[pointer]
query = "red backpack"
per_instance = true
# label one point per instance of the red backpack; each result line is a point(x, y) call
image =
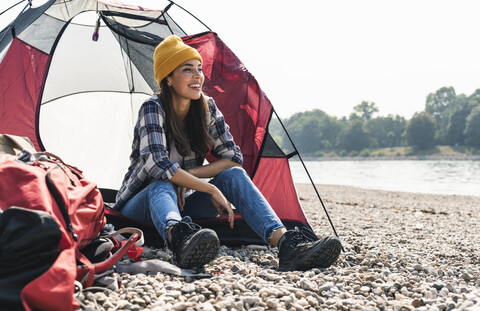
point(42, 182)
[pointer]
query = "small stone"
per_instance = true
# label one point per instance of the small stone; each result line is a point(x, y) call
point(312, 301)
point(194, 299)
point(108, 305)
point(449, 287)
point(139, 301)
point(307, 285)
point(120, 304)
point(189, 288)
point(300, 294)
point(330, 302)
point(174, 294)
point(450, 306)
point(397, 285)
point(100, 297)
point(377, 291)
point(399, 296)
point(302, 302)
point(180, 306)
point(257, 247)
point(387, 286)
point(238, 270)
point(365, 289)
point(162, 255)
point(438, 285)
point(466, 276)
point(288, 300)
point(418, 267)
point(465, 305)
point(326, 287)
point(216, 288)
point(272, 304)
point(251, 300)
point(443, 292)
point(418, 302)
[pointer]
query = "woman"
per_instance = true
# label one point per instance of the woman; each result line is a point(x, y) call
point(174, 131)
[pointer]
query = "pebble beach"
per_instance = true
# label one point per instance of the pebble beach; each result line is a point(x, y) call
point(403, 251)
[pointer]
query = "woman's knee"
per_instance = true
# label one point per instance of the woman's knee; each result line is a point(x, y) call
point(161, 187)
point(233, 173)
point(161, 184)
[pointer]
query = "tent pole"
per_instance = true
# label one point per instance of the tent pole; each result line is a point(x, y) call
point(12, 24)
point(12, 6)
point(308, 174)
point(191, 15)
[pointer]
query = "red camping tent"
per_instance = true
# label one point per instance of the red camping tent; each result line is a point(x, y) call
point(78, 98)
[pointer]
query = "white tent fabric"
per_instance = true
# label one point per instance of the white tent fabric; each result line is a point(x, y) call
point(96, 92)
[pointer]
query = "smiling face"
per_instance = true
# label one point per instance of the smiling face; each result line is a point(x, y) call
point(186, 81)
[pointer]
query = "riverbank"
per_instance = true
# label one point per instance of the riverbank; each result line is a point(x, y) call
point(400, 153)
point(433, 157)
point(403, 251)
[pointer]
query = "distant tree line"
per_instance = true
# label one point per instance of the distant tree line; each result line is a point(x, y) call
point(448, 119)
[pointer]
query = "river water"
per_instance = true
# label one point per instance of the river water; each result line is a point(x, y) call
point(421, 176)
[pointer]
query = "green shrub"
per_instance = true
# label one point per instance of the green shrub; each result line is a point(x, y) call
point(365, 152)
point(471, 151)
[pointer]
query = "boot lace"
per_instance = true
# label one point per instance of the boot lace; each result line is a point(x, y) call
point(184, 229)
point(187, 221)
point(303, 236)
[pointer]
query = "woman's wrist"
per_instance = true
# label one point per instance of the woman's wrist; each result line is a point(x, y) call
point(210, 188)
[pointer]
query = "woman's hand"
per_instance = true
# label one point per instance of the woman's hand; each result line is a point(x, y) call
point(221, 203)
point(185, 180)
point(181, 197)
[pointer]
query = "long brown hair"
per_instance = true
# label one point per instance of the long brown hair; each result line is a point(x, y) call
point(195, 137)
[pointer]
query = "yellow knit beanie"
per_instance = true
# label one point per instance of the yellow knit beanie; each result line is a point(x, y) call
point(169, 54)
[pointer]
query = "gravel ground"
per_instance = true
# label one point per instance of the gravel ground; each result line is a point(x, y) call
point(403, 251)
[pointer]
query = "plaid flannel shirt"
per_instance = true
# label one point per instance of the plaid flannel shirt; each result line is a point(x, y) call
point(150, 153)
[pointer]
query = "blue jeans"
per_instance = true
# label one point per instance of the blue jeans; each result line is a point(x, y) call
point(157, 204)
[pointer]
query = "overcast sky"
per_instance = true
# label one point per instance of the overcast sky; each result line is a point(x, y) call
point(332, 55)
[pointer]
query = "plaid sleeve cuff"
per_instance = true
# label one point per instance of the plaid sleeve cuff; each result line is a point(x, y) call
point(171, 170)
point(160, 168)
point(233, 155)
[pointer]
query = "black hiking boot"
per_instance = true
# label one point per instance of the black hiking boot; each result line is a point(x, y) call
point(298, 252)
point(193, 246)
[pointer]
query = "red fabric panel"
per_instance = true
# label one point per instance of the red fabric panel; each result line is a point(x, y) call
point(274, 179)
point(24, 68)
point(237, 94)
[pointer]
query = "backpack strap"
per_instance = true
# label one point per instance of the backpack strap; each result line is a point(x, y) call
point(87, 273)
point(137, 235)
point(131, 230)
